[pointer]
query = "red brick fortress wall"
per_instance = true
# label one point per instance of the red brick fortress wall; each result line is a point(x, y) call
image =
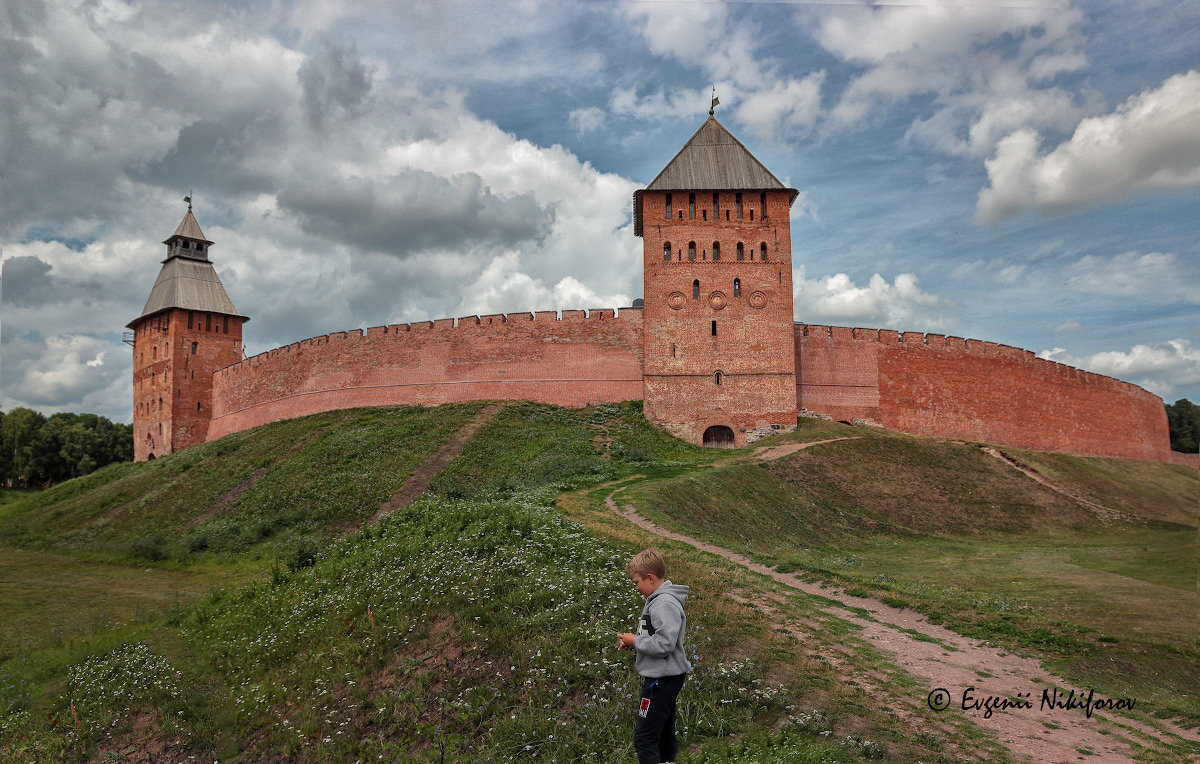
point(718, 316)
point(576, 360)
point(953, 387)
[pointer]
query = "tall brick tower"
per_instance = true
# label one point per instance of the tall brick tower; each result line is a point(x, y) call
point(719, 358)
point(188, 329)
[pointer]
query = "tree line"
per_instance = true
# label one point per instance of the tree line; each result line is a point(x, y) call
point(1183, 419)
point(40, 450)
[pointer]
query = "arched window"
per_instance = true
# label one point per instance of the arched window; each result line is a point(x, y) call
point(716, 250)
point(194, 346)
point(668, 206)
point(762, 251)
point(667, 252)
point(737, 287)
point(717, 378)
point(737, 202)
point(762, 205)
point(741, 251)
point(696, 289)
point(691, 206)
point(160, 404)
point(691, 250)
point(716, 206)
point(714, 327)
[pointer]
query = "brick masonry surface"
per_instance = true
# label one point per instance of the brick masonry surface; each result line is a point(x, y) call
point(174, 355)
point(960, 388)
point(718, 315)
point(576, 360)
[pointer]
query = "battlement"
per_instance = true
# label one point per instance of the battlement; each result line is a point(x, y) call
point(964, 346)
point(399, 332)
point(572, 358)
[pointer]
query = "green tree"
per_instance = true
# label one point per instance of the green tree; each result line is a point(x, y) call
point(17, 433)
point(37, 449)
point(1183, 419)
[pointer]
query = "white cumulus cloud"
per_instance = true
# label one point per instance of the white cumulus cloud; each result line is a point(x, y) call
point(899, 305)
point(1150, 142)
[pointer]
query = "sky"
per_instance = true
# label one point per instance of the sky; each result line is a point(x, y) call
point(1022, 172)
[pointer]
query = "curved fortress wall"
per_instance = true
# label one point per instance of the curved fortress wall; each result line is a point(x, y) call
point(957, 388)
point(576, 360)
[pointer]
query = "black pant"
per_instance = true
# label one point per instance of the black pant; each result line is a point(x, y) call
point(654, 733)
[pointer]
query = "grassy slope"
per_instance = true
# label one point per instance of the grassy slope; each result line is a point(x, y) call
point(400, 642)
point(944, 528)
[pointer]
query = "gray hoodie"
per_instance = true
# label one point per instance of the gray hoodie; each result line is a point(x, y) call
point(659, 640)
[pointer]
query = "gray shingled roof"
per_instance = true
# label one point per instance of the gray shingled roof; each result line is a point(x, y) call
point(714, 160)
point(188, 284)
point(189, 229)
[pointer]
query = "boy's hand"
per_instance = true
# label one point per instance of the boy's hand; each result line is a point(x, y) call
point(625, 640)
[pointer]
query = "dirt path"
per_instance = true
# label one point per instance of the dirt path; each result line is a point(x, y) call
point(953, 663)
point(1104, 513)
point(424, 474)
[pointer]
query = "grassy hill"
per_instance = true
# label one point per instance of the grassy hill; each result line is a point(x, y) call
point(231, 601)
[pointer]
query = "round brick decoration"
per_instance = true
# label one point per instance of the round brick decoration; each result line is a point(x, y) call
point(676, 300)
point(717, 300)
point(758, 300)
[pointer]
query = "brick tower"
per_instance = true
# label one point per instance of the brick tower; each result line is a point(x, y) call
point(719, 357)
point(188, 329)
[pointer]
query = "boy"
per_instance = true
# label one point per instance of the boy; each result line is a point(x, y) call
point(660, 657)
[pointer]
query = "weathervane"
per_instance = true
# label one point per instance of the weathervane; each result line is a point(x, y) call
point(712, 108)
point(188, 199)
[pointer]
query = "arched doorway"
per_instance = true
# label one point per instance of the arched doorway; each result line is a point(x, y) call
point(718, 436)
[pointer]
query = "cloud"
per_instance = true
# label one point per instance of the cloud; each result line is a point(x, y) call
point(1133, 274)
point(26, 280)
point(1161, 368)
point(586, 120)
point(783, 106)
point(64, 371)
point(414, 210)
point(1151, 142)
point(333, 79)
point(340, 191)
point(728, 47)
point(988, 68)
point(502, 287)
point(899, 305)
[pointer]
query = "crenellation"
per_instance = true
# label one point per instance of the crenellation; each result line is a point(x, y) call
point(664, 354)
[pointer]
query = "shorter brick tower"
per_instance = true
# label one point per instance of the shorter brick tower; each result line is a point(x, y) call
point(718, 348)
point(188, 329)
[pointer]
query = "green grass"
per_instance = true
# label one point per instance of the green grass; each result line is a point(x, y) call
point(226, 602)
point(290, 483)
point(946, 529)
point(48, 599)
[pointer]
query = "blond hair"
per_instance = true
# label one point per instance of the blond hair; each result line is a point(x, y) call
point(647, 562)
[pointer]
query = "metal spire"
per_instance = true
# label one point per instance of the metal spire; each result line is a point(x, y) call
point(712, 108)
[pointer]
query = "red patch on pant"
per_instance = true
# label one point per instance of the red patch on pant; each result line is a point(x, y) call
point(644, 707)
